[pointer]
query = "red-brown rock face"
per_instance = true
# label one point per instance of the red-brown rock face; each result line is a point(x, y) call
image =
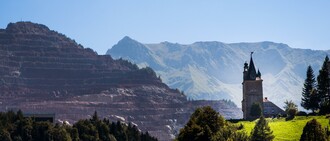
point(45, 72)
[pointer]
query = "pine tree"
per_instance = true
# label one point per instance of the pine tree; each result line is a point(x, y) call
point(313, 131)
point(323, 87)
point(261, 131)
point(310, 99)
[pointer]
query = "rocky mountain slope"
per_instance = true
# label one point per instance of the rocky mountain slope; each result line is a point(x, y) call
point(213, 70)
point(42, 71)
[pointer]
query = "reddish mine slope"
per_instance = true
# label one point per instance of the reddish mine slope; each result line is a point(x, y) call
point(42, 71)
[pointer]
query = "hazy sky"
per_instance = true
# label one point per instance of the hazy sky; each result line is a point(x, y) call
point(99, 24)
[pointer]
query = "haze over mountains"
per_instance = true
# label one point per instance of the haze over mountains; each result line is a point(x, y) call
point(213, 70)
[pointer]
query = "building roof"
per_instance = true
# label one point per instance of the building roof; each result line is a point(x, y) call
point(252, 73)
point(271, 109)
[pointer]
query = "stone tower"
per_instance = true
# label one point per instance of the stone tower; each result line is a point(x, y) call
point(252, 89)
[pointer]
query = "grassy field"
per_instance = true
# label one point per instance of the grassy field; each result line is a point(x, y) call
point(286, 130)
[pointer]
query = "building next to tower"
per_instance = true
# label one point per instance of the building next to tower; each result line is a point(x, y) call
point(253, 93)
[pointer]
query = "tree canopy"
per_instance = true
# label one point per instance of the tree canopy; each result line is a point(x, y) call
point(205, 124)
point(323, 81)
point(261, 131)
point(291, 109)
point(13, 126)
point(255, 110)
point(310, 99)
point(313, 131)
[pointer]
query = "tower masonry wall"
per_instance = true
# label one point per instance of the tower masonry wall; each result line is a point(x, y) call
point(252, 93)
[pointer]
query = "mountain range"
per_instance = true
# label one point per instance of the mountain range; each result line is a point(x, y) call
point(214, 70)
point(43, 71)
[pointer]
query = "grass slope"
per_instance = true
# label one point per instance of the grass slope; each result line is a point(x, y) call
point(286, 130)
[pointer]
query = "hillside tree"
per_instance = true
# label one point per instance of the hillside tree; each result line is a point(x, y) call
point(323, 87)
point(261, 131)
point(310, 99)
point(290, 108)
point(205, 124)
point(202, 125)
point(313, 131)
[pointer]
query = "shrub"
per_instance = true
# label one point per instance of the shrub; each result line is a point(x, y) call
point(240, 127)
point(313, 131)
point(301, 113)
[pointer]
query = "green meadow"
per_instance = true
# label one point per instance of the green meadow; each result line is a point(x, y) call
point(286, 130)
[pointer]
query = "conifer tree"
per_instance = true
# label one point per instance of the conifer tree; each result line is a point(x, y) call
point(313, 131)
point(261, 131)
point(310, 100)
point(323, 87)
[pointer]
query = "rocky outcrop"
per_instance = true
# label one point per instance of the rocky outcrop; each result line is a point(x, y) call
point(42, 71)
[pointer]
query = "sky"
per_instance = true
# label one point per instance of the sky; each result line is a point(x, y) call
point(100, 24)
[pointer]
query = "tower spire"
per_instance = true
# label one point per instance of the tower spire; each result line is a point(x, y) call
point(258, 74)
point(252, 70)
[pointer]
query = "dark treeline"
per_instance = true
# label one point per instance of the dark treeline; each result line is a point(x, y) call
point(14, 127)
point(316, 92)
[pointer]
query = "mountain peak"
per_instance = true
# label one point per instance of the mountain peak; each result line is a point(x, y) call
point(27, 27)
point(129, 42)
point(127, 39)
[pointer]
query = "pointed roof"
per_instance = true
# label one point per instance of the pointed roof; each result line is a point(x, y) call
point(259, 74)
point(252, 70)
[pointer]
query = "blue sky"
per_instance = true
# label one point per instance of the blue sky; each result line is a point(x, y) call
point(101, 24)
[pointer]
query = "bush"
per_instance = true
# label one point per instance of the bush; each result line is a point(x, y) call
point(301, 113)
point(327, 116)
point(289, 118)
point(313, 131)
point(240, 127)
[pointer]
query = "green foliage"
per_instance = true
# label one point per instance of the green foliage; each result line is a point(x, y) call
point(13, 126)
point(323, 84)
point(310, 98)
point(60, 133)
point(202, 125)
point(313, 131)
point(285, 130)
point(4, 135)
point(42, 131)
point(86, 130)
point(230, 133)
point(291, 109)
point(261, 131)
point(255, 110)
point(207, 125)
